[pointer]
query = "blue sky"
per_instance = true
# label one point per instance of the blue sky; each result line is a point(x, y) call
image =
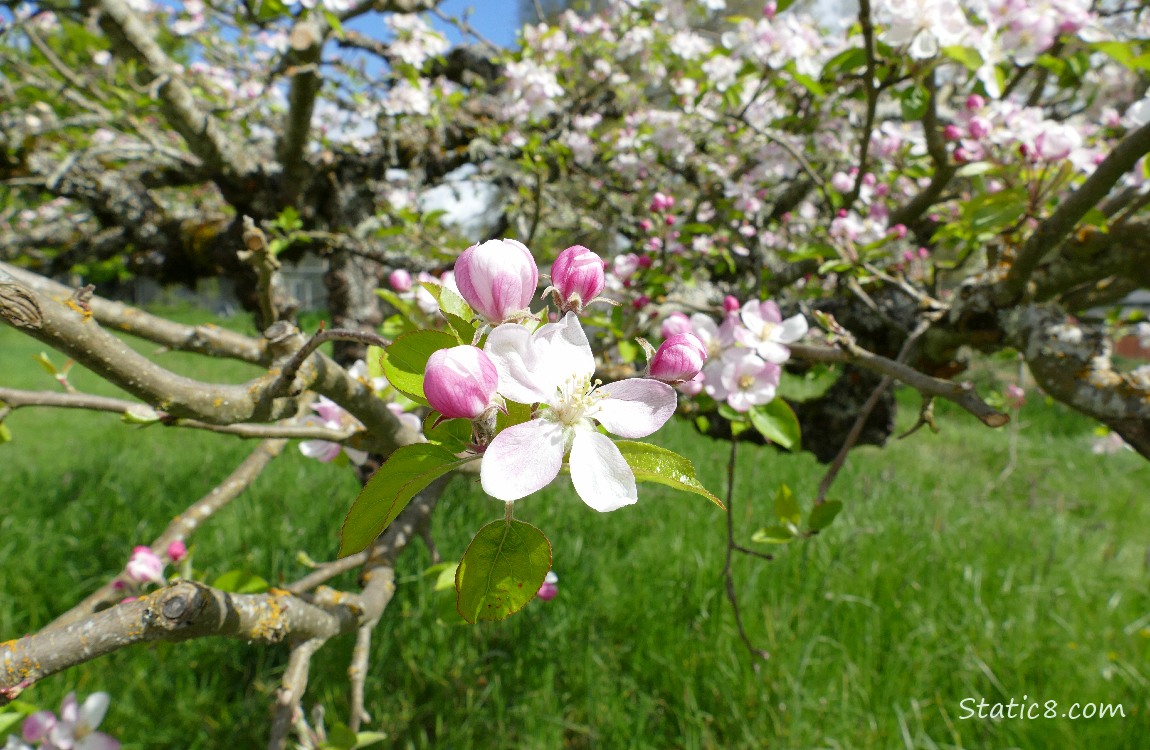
point(497, 20)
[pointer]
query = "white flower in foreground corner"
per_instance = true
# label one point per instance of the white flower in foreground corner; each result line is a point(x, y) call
point(554, 367)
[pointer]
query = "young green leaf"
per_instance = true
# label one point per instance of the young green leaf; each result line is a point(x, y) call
point(786, 507)
point(406, 359)
point(501, 571)
point(776, 421)
point(823, 515)
point(650, 463)
point(407, 471)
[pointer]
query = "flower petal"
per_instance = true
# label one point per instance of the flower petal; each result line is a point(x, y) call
point(93, 710)
point(792, 329)
point(98, 741)
point(600, 473)
point(773, 352)
point(509, 346)
point(635, 407)
point(522, 459)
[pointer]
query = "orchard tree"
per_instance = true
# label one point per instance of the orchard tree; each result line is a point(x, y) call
point(801, 215)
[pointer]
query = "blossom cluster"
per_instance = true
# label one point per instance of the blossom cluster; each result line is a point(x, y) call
point(74, 728)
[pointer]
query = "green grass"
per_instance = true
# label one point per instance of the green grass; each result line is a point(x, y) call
point(927, 590)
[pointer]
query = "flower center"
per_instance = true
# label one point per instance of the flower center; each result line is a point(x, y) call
point(766, 331)
point(746, 382)
point(574, 399)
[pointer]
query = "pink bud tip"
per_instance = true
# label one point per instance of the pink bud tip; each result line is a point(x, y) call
point(549, 588)
point(679, 359)
point(640, 302)
point(974, 101)
point(952, 133)
point(460, 382)
point(731, 305)
point(400, 280)
point(645, 261)
point(674, 323)
point(177, 550)
point(646, 225)
point(497, 278)
point(577, 275)
point(898, 230)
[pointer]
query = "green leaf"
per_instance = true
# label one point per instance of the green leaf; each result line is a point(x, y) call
point(966, 56)
point(654, 464)
point(407, 471)
point(501, 571)
point(340, 737)
point(43, 361)
point(914, 102)
point(823, 515)
point(452, 434)
point(464, 330)
point(849, 59)
point(240, 582)
point(406, 359)
point(786, 507)
point(776, 421)
point(773, 535)
point(8, 722)
point(995, 211)
point(450, 303)
point(5, 434)
point(811, 385)
point(516, 414)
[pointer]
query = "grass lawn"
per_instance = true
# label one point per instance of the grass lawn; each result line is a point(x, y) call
point(934, 586)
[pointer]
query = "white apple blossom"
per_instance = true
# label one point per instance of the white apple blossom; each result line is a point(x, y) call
point(554, 367)
point(766, 332)
point(925, 25)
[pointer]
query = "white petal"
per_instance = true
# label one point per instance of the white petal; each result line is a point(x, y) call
point(522, 459)
point(635, 407)
point(600, 474)
point(509, 347)
point(564, 346)
point(98, 741)
point(772, 352)
point(792, 329)
point(93, 710)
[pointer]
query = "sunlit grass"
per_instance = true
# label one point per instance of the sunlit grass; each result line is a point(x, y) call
point(938, 583)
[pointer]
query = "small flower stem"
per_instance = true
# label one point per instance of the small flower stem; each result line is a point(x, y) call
point(509, 511)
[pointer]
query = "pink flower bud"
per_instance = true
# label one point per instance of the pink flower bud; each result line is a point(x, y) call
point(646, 225)
point(640, 302)
point(662, 202)
point(674, 323)
point(497, 278)
point(1015, 396)
point(679, 359)
point(400, 280)
point(177, 550)
point(974, 101)
point(869, 179)
point(731, 305)
point(460, 382)
point(669, 220)
point(952, 133)
point(549, 588)
point(145, 566)
point(645, 261)
point(841, 182)
point(898, 230)
point(577, 274)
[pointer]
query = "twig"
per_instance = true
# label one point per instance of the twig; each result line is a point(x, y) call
point(291, 690)
point(181, 527)
point(864, 414)
point(257, 254)
point(728, 575)
point(282, 385)
point(962, 394)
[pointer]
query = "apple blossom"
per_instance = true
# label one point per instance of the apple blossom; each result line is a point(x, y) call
point(145, 566)
point(554, 367)
point(76, 727)
point(332, 416)
point(497, 278)
point(460, 382)
point(765, 330)
point(679, 359)
point(744, 380)
point(577, 278)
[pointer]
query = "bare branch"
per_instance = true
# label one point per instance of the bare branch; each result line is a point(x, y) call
point(962, 394)
point(204, 339)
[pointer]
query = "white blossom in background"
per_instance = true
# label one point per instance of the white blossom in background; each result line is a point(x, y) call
point(923, 26)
